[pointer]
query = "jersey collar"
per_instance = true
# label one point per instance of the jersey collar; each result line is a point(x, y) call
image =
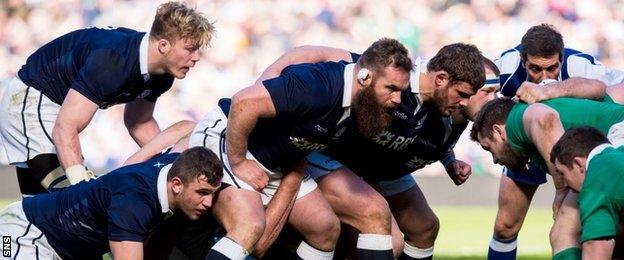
point(143, 57)
point(162, 188)
point(348, 85)
point(595, 152)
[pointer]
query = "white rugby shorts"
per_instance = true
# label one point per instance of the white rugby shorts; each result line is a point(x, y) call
point(210, 133)
point(26, 121)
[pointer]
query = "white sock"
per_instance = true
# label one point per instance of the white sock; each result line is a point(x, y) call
point(374, 242)
point(503, 247)
point(307, 252)
point(230, 249)
point(416, 252)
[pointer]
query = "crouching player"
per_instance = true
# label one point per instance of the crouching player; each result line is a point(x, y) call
point(114, 212)
point(593, 167)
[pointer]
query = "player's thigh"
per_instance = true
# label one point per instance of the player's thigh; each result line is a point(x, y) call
point(514, 199)
point(312, 214)
point(354, 200)
point(411, 205)
point(236, 208)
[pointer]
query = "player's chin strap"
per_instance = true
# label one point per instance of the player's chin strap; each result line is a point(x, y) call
point(77, 173)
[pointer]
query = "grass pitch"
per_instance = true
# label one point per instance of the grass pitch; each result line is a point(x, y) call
point(465, 232)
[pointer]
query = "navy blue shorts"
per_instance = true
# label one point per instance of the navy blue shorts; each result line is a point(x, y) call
point(532, 176)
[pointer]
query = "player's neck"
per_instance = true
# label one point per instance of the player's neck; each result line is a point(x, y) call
point(155, 59)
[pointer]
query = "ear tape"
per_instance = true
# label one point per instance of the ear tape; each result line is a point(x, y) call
point(363, 75)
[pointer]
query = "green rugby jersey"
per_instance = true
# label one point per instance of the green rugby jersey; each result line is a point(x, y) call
point(572, 112)
point(601, 199)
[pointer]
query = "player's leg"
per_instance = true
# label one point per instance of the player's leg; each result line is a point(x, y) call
point(414, 216)
point(26, 240)
point(241, 213)
point(28, 118)
point(357, 204)
point(566, 231)
point(514, 199)
point(315, 220)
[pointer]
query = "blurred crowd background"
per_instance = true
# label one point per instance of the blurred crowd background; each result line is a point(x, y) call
point(252, 34)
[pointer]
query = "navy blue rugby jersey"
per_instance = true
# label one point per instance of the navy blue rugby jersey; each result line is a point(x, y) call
point(575, 64)
point(100, 63)
point(123, 205)
point(312, 110)
point(418, 136)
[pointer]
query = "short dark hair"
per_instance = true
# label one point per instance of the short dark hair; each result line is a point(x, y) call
point(195, 163)
point(463, 62)
point(543, 41)
point(490, 65)
point(493, 112)
point(383, 53)
point(576, 142)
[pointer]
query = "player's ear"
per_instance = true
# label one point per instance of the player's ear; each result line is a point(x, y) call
point(580, 163)
point(163, 46)
point(499, 130)
point(441, 78)
point(176, 185)
point(364, 77)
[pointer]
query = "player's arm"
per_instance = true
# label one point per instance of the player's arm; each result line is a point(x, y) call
point(74, 115)
point(304, 54)
point(598, 249)
point(140, 122)
point(543, 127)
point(248, 105)
point(168, 137)
point(279, 208)
point(126, 250)
point(573, 87)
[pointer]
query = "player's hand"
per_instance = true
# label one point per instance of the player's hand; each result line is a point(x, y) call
point(251, 173)
point(532, 93)
point(559, 197)
point(459, 171)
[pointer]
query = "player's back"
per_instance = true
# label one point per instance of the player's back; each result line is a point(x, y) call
point(78, 221)
point(53, 68)
point(308, 99)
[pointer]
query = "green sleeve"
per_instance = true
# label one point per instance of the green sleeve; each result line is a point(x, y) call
point(599, 217)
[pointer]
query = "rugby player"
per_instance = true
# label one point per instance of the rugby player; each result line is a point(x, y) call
point(541, 55)
point(194, 238)
point(274, 124)
point(422, 132)
point(114, 212)
point(63, 84)
point(516, 132)
point(593, 167)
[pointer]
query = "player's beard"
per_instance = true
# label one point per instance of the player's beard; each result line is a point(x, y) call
point(512, 159)
point(371, 117)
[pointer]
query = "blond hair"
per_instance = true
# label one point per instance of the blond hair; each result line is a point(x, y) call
point(175, 20)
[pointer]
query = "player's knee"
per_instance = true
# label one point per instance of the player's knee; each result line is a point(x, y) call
point(329, 230)
point(424, 232)
point(505, 229)
point(377, 212)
